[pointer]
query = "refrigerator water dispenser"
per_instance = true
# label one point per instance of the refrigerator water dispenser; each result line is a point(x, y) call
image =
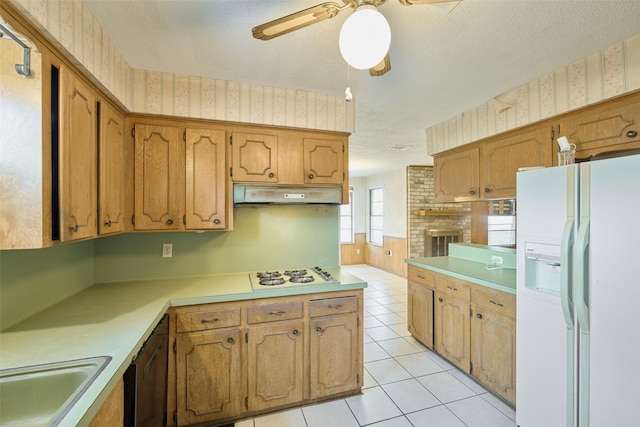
point(542, 267)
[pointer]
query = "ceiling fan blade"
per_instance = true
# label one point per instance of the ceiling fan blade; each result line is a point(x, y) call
point(382, 67)
point(412, 2)
point(297, 20)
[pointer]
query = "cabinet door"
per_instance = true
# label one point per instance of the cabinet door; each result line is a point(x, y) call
point(333, 357)
point(420, 313)
point(112, 182)
point(275, 364)
point(501, 160)
point(156, 177)
point(451, 332)
point(78, 159)
point(456, 176)
point(209, 380)
point(493, 351)
point(604, 129)
point(206, 186)
point(323, 161)
point(255, 157)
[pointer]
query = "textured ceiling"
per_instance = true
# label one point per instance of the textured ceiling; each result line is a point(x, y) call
point(445, 58)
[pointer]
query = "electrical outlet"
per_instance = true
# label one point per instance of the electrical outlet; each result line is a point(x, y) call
point(497, 260)
point(357, 251)
point(167, 250)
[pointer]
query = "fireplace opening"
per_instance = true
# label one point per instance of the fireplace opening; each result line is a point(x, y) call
point(437, 241)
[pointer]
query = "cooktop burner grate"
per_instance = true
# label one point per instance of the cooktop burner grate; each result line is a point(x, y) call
point(290, 277)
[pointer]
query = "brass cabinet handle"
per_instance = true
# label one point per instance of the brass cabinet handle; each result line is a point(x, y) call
point(335, 306)
point(421, 277)
point(452, 288)
point(277, 313)
point(215, 319)
point(496, 303)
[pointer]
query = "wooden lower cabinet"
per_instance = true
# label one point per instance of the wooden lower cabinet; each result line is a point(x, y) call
point(333, 355)
point(473, 326)
point(275, 364)
point(493, 351)
point(209, 375)
point(111, 413)
point(238, 359)
point(452, 328)
point(420, 313)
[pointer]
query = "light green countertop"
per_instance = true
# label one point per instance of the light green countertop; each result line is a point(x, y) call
point(503, 279)
point(114, 319)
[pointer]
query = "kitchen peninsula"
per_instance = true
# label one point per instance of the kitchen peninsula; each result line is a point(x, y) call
point(114, 320)
point(463, 307)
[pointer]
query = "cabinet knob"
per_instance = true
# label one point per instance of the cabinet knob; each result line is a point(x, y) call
point(472, 192)
point(271, 175)
point(632, 134)
point(310, 176)
point(318, 329)
point(169, 221)
point(487, 190)
point(216, 221)
point(74, 228)
point(230, 340)
point(108, 223)
point(440, 299)
point(479, 316)
point(295, 332)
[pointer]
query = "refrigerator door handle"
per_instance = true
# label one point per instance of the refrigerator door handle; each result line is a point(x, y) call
point(565, 263)
point(580, 279)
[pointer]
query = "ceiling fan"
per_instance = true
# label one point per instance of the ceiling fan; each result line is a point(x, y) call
point(358, 38)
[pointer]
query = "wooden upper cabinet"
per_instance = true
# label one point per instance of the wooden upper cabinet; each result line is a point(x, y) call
point(502, 158)
point(156, 177)
point(205, 162)
point(456, 176)
point(111, 216)
point(78, 158)
point(323, 163)
point(255, 157)
point(605, 128)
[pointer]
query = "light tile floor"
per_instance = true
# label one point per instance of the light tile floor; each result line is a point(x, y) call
point(405, 383)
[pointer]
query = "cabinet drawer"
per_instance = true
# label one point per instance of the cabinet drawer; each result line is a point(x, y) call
point(421, 277)
point(274, 312)
point(453, 288)
point(214, 318)
point(500, 302)
point(330, 306)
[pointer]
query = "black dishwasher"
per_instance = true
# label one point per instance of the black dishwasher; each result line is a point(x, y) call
point(145, 381)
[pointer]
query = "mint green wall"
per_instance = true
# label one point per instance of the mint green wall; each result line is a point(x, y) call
point(32, 280)
point(264, 237)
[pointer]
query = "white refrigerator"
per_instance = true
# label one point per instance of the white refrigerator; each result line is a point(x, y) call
point(578, 295)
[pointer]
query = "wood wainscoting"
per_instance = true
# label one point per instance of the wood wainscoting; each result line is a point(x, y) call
point(390, 256)
point(354, 253)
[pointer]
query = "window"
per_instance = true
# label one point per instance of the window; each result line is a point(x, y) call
point(346, 222)
point(376, 205)
point(501, 223)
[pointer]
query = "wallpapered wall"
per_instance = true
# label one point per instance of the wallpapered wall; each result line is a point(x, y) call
point(605, 74)
point(76, 31)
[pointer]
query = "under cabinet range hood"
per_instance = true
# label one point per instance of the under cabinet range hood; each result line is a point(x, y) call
point(244, 193)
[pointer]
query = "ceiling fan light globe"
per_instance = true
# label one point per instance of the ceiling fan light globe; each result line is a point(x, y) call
point(365, 38)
